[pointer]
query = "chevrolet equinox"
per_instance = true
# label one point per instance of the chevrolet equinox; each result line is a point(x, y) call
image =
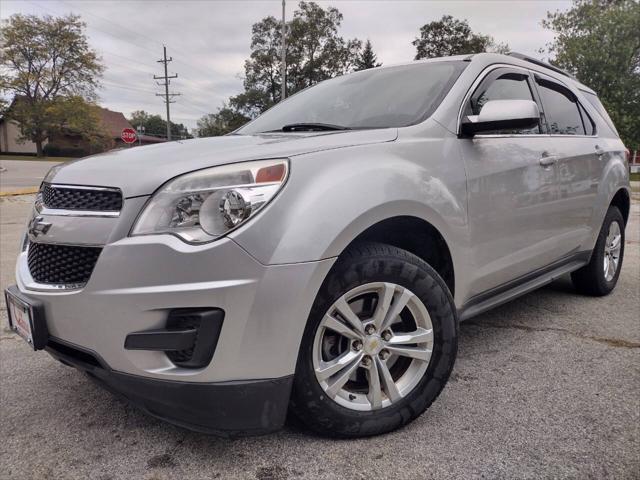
point(318, 260)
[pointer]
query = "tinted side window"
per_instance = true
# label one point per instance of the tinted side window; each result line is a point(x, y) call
point(502, 86)
point(560, 109)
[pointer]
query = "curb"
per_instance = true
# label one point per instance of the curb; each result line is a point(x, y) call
point(19, 191)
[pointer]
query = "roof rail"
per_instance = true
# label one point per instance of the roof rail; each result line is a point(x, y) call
point(540, 63)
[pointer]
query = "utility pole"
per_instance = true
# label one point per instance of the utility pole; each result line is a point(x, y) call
point(283, 66)
point(167, 96)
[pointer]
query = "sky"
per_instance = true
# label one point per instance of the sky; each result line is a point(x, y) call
point(209, 39)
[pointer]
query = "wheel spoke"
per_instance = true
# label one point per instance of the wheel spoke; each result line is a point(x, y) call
point(615, 242)
point(343, 376)
point(375, 392)
point(398, 305)
point(418, 353)
point(384, 301)
point(345, 310)
point(611, 268)
point(420, 335)
point(389, 385)
point(328, 369)
point(339, 327)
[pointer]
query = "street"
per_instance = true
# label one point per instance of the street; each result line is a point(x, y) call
point(547, 386)
point(20, 174)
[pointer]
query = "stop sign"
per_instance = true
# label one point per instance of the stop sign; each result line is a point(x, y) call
point(128, 135)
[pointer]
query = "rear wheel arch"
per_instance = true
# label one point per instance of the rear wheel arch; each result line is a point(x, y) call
point(622, 200)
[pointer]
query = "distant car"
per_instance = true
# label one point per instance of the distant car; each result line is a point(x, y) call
point(318, 260)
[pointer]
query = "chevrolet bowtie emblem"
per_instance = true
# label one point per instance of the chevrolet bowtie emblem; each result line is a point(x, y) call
point(37, 226)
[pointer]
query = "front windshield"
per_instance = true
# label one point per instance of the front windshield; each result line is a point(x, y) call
point(378, 98)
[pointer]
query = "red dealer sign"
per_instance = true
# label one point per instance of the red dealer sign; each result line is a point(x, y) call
point(128, 135)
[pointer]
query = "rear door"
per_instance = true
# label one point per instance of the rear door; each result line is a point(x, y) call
point(579, 161)
point(512, 189)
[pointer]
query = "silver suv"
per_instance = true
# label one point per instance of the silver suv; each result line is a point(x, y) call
point(318, 260)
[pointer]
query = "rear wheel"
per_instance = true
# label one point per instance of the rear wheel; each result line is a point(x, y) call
point(600, 275)
point(379, 345)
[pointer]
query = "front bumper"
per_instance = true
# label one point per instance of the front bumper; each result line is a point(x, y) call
point(226, 408)
point(137, 281)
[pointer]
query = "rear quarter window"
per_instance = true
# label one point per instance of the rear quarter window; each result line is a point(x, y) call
point(597, 104)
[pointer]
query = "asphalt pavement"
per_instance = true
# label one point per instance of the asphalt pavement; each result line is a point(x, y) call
point(547, 386)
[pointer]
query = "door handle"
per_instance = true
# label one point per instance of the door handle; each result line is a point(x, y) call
point(548, 160)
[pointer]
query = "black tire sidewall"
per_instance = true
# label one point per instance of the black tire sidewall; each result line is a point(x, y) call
point(377, 263)
point(604, 286)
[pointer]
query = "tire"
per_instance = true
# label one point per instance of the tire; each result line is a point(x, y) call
point(592, 279)
point(386, 268)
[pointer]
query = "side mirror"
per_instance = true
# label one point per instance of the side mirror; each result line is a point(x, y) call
point(502, 115)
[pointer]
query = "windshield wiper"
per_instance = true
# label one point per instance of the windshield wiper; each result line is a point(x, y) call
point(312, 127)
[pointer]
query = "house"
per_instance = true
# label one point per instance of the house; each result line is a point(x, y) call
point(113, 123)
point(68, 143)
point(9, 135)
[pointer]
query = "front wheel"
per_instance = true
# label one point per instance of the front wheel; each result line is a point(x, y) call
point(379, 345)
point(600, 275)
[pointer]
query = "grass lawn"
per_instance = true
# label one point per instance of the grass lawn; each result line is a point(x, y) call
point(29, 158)
point(635, 177)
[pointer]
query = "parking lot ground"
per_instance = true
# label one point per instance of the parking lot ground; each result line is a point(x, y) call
point(547, 386)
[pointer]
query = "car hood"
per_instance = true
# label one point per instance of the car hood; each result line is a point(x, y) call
point(141, 170)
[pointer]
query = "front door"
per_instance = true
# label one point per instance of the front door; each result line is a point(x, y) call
point(512, 188)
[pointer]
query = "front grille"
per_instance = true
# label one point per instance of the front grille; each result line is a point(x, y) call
point(61, 264)
point(69, 198)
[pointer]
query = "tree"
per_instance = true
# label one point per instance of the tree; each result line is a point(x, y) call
point(42, 61)
point(599, 42)
point(367, 58)
point(225, 120)
point(157, 126)
point(74, 115)
point(315, 52)
point(450, 36)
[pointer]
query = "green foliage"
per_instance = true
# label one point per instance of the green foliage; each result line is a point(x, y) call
point(315, 52)
point(367, 58)
point(75, 116)
point(156, 126)
point(599, 42)
point(44, 60)
point(450, 36)
point(225, 120)
point(52, 150)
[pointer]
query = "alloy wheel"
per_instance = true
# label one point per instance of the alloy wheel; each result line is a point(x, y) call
point(373, 346)
point(612, 248)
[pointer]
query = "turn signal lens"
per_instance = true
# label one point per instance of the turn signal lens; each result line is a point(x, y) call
point(273, 173)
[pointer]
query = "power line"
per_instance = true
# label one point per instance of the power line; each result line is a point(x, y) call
point(135, 61)
point(119, 38)
point(167, 96)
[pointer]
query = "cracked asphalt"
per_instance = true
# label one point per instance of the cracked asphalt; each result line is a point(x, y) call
point(547, 386)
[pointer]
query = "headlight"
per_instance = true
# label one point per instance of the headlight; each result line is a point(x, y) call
point(205, 205)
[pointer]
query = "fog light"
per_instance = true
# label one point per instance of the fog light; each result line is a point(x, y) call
point(234, 208)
